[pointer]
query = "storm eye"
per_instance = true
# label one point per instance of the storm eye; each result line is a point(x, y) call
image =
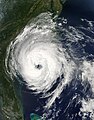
point(38, 66)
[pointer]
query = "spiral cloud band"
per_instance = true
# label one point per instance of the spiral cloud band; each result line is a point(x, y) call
point(39, 58)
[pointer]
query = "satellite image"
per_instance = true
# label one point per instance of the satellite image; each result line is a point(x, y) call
point(47, 60)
